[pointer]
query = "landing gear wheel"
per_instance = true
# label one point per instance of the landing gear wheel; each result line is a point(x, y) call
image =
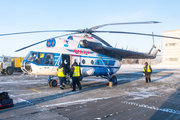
point(53, 83)
point(9, 71)
point(114, 80)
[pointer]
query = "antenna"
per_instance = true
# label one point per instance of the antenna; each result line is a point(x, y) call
point(153, 39)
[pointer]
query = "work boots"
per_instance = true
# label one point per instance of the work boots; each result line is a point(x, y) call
point(149, 79)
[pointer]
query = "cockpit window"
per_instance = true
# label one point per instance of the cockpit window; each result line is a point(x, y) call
point(32, 56)
point(49, 59)
point(46, 59)
point(27, 56)
point(39, 58)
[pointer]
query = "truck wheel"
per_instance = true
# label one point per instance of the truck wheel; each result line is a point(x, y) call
point(9, 71)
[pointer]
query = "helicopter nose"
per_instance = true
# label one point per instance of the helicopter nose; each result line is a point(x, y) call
point(26, 67)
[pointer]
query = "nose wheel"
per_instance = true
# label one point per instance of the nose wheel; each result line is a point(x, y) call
point(52, 82)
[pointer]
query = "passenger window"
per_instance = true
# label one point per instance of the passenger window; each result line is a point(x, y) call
point(83, 61)
point(49, 59)
point(98, 62)
point(92, 62)
point(39, 58)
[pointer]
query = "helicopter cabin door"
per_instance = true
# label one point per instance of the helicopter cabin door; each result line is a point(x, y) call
point(75, 58)
point(66, 61)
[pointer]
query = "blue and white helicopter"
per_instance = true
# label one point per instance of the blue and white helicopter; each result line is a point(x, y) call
point(95, 56)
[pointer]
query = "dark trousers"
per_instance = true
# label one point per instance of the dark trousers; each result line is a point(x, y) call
point(148, 78)
point(62, 81)
point(75, 80)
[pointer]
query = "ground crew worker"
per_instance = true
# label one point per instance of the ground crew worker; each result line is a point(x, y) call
point(147, 70)
point(75, 73)
point(61, 76)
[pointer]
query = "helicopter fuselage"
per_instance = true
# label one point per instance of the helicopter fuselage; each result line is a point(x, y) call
point(45, 61)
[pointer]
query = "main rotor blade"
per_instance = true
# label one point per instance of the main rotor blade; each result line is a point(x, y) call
point(42, 42)
point(38, 32)
point(121, 32)
point(99, 26)
point(100, 39)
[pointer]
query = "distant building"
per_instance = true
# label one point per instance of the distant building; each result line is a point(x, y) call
point(171, 48)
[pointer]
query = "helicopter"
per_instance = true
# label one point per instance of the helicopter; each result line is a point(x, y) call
point(95, 56)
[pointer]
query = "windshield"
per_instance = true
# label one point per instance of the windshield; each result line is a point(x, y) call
point(1, 59)
point(40, 58)
point(31, 56)
point(28, 55)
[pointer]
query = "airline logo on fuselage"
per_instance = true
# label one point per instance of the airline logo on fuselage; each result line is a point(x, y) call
point(80, 51)
point(51, 42)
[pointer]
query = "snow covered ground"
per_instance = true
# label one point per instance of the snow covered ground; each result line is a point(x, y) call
point(32, 90)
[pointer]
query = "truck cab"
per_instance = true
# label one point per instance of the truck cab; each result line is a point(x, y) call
point(6, 65)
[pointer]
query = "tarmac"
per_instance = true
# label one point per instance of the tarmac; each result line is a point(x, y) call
point(130, 99)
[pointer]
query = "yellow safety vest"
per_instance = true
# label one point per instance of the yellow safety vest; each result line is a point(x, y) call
point(76, 71)
point(148, 70)
point(60, 72)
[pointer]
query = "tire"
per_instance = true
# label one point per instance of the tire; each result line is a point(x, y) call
point(53, 83)
point(9, 71)
point(114, 80)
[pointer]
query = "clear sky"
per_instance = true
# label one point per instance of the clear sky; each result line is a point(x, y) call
point(32, 15)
